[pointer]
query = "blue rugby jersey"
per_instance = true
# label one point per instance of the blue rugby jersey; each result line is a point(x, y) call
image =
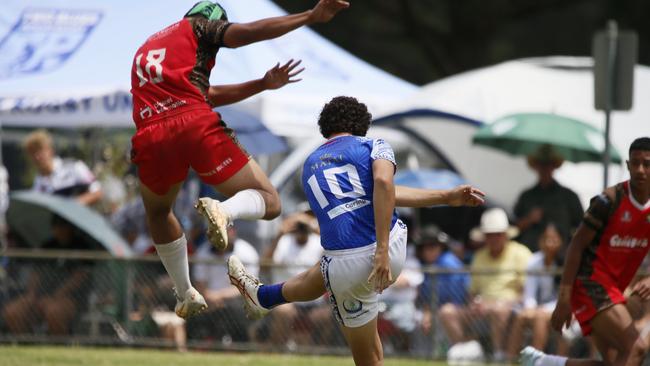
point(338, 182)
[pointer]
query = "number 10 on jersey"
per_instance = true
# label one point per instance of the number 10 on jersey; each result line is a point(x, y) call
point(331, 178)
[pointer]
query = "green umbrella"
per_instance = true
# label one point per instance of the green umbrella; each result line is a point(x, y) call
point(30, 214)
point(525, 133)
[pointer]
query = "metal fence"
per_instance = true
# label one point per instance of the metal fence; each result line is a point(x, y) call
point(91, 298)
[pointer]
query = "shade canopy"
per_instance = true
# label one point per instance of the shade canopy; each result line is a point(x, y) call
point(525, 133)
point(67, 63)
point(30, 215)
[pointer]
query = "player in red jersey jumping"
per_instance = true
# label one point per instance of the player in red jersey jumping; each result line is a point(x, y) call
point(177, 129)
point(605, 254)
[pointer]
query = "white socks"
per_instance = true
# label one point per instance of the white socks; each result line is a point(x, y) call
point(247, 204)
point(551, 360)
point(174, 257)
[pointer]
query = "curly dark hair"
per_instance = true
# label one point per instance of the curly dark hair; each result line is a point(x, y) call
point(344, 114)
point(642, 143)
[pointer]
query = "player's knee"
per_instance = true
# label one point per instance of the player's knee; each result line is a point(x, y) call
point(273, 205)
point(155, 214)
point(448, 311)
point(640, 347)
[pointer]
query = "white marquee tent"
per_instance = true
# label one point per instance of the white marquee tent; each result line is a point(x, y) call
point(67, 63)
point(562, 85)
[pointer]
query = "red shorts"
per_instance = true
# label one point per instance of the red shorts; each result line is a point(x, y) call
point(165, 149)
point(589, 297)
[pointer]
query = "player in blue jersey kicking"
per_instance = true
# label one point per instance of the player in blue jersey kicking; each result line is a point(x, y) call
point(349, 184)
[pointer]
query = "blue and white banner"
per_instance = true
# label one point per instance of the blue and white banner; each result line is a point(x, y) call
point(42, 39)
point(68, 63)
point(102, 109)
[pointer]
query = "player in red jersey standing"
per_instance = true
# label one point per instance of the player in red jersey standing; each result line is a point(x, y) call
point(605, 254)
point(177, 129)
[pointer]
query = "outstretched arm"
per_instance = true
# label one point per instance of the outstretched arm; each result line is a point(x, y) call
point(275, 78)
point(463, 195)
point(241, 34)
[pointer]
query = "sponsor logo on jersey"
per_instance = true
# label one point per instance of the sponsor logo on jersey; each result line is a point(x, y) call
point(219, 168)
point(626, 217)
point(352, 305)
point(617, 241)
point(327, 160)
point(168, 104)
point(347, 207)
point(145, 112)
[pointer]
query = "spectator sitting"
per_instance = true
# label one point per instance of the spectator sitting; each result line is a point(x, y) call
point(497, 282)
point(449, 288)
point(70, 178)
point(55, 290)
point(225, 319)
point(547, 201)
point(296, 248)
point(401, 316)
point(540, 295)
point(131, 222)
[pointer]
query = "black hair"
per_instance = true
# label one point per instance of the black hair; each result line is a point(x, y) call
point(642, 143)
point(344, 114)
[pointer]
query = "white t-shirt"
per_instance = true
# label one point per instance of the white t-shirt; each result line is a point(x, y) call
point(539, 290)
point(216, 275)
point(66, 174)
point(298, 257)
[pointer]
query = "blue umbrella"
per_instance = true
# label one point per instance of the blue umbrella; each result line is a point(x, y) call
point(429, 178)
point(30, 214)
point(251, 132)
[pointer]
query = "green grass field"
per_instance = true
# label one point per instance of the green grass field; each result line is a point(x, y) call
point(51, 356)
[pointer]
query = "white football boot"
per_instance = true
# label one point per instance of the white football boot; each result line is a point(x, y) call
point(247, 285)
point(191, 304)
point(529, 356)
point(218, 221)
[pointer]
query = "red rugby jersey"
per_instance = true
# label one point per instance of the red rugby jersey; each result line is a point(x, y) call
point(171, 70)
point(622, 236)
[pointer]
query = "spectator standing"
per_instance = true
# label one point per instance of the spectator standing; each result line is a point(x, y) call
point(547, 201)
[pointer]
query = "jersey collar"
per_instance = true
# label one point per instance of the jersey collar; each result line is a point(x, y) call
point(636, 203)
